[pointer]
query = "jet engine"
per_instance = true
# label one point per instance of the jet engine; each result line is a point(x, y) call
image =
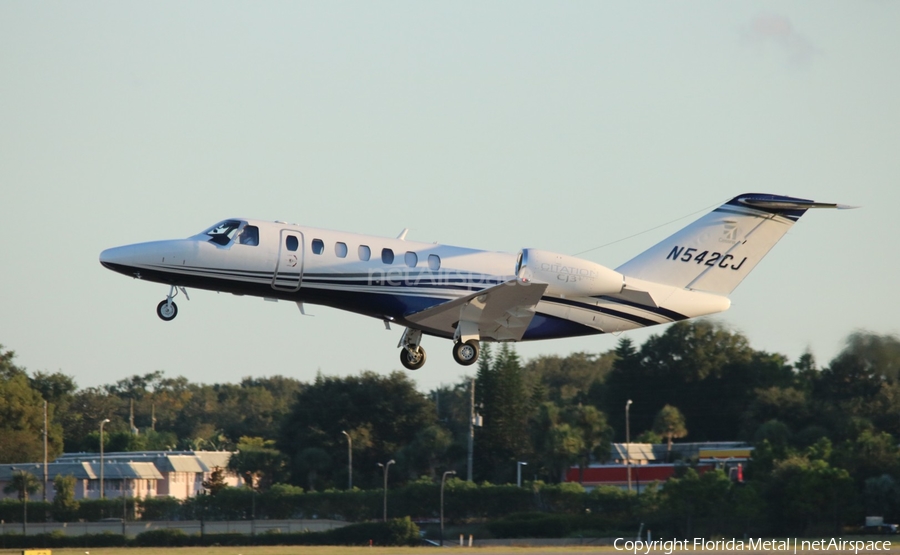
point(568, 276)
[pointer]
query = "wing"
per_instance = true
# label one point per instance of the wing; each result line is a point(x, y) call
point(502, 312)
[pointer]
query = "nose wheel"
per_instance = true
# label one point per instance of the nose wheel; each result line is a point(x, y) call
point(168, 310)
point(466, 353)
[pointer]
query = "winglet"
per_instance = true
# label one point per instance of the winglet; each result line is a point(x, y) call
point(403, 233)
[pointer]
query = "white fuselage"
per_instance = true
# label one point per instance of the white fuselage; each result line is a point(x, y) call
point(386, 278)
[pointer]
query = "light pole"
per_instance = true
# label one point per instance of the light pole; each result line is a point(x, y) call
point(102, 492)
point(628, 442)
point(349, 460)
point(386, 467)
point(443, 479)
point(519, 466)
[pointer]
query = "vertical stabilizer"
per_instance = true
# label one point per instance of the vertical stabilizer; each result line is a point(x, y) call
point(716, 252)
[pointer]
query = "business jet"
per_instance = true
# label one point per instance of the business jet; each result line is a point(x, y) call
point(470, 295)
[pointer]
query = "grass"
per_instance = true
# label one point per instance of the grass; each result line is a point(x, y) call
point(309, 550)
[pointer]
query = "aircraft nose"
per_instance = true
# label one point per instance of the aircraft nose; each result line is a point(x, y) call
point(115, 258)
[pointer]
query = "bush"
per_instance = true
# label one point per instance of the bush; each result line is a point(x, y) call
point(168, 537)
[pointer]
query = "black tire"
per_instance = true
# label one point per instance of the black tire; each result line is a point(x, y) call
point(414, 360)
point(165, 312)
point(466, 353)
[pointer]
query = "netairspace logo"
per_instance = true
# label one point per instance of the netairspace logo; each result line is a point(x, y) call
point(790, 545)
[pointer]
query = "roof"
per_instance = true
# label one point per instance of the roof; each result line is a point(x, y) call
point(163, 461)
point(659, 451)
point(85, 470)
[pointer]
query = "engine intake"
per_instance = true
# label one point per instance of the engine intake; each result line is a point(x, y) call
point(567, 275)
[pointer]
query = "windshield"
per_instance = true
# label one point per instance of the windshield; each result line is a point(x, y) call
point(222, 233)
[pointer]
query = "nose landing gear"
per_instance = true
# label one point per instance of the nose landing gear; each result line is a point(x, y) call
point(168, 310)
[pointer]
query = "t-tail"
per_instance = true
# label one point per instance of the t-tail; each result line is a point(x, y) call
point(716, 252)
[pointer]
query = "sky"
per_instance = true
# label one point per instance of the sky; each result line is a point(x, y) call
point(565, 126)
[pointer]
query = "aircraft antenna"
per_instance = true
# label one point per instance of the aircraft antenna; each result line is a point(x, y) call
point(653, 228)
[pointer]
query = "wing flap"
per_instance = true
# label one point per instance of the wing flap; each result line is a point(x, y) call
point(502, 312)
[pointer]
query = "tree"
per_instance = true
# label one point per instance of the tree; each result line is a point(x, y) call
point(216, 481)
point(23, 483)
point(22, 416)
point(669, 423)
point(711, 371)
point(557, 444)
point(387, 409)
point(859, 370)
point(810, 497)
point(595, 434)
point(64, 507)
point(313, 460)
point(258, 462)
point(505, 404)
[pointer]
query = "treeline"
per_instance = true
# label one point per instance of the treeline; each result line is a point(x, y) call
point(830, 432)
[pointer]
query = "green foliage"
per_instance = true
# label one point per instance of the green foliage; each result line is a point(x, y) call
point(258, 462)
point(503, 398)
point(166, 537)
point(384, 412)
point(670, 424)
point(23, 484)
point(22, 416)
point(64, 506)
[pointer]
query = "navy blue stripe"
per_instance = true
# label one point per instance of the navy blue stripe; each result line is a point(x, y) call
point(603, 310)
point(664, 312)
point(792, 213)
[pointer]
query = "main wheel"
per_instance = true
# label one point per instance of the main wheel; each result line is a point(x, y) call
point(166, 310)
point(412, 360)
point(466, 353)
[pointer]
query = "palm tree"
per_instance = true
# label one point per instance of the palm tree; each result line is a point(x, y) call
point(23, 483)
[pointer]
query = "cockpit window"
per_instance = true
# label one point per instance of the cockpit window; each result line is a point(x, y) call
point(223, 233)
point(250, 236)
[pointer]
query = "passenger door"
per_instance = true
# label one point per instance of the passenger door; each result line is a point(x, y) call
point(289, 268)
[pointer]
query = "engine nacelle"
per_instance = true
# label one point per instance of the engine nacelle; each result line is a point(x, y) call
point(567, 275)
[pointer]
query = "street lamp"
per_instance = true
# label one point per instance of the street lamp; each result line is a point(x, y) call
point(349, 460)
point(386, 467)
point(627, 443)
point(101, 457)
point(519, 466)
point(443, 479)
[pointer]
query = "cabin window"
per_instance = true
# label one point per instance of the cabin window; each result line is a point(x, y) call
point(434, 262)
point(318, 246)
point(411, 259)
point(387, 256)
point(364, 252)
point(340, 250)
point(292, 243)
point(249, 236)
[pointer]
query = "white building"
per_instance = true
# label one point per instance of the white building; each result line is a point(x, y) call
point(179, 474)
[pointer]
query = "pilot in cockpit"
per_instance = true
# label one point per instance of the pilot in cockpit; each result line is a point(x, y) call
point(250, 236)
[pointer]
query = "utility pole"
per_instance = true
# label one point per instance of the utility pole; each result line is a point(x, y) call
point(349, 461)
point(471, 429)
point(45, 451)
point(628, 443)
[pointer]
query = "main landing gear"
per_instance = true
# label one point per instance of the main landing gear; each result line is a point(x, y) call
point(168, 310)
point(466, 353)
point(412, 355)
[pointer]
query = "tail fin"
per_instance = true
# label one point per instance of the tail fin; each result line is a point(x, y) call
point(716, 252)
